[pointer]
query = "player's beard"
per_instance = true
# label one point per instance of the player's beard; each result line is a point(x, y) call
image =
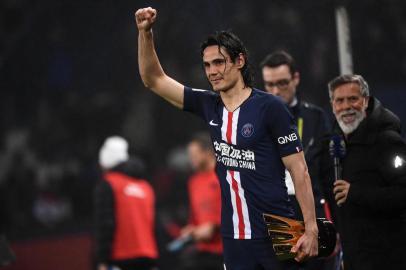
point(348, 128)
point(227, 85)
point(220, 87)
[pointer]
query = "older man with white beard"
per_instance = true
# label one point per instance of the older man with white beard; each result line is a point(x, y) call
point(371, 196)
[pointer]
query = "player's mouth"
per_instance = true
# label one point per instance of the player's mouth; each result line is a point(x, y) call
point(216, 81)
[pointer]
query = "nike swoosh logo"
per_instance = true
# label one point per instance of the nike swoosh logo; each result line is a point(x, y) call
point(211, 123)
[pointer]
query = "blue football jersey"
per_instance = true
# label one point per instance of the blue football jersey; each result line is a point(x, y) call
point(249, 144)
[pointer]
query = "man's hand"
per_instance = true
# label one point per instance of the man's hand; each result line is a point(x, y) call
point(341, 188)
point(199, 233)
point(145, 18)
point(186, 231)
point(307, 246)
point(204, 232)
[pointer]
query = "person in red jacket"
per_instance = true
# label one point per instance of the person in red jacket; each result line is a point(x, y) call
point(205, 207)
point(124, 211)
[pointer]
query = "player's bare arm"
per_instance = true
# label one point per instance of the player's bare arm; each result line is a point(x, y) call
point(150, 68)
point(307, 246)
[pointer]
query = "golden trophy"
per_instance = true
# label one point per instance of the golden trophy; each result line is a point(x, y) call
point(285, 232)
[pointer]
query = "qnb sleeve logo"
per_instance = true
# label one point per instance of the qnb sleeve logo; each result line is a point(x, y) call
point(286, 139)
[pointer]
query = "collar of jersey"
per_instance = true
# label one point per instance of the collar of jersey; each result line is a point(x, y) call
point(242, 103)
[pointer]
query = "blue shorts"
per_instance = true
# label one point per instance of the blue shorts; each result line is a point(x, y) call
point(253, 254)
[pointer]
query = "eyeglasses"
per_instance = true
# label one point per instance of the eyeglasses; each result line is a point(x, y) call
point(281, 84)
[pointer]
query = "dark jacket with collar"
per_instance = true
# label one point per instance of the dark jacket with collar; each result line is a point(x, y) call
point(370, 222)
point(314, 125)
point(315, 122)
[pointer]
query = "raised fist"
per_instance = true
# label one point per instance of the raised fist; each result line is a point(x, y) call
point(145, 18)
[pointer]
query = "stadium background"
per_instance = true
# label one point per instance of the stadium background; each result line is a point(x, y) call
point(69, 78)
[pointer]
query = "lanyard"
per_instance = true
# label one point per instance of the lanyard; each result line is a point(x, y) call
point(300, 127)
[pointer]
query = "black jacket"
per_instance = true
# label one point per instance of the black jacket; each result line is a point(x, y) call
point(314, 125)
point(370, 222)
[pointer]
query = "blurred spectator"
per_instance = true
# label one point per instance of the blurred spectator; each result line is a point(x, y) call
point(205, 208)
point(124, 211)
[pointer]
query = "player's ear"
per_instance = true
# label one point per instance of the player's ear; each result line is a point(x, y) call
point(240, 60)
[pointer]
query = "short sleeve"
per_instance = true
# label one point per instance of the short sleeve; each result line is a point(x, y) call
point(197, 101)
point(282, 128)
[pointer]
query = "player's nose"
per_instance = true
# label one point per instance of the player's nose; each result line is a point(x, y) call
point(212, 71)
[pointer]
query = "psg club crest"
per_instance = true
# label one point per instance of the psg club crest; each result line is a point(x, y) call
point(247, 130)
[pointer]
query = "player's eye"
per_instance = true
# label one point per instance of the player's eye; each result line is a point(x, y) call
point(218, 62)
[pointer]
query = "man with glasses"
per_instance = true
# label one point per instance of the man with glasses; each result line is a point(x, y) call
point(281, 78)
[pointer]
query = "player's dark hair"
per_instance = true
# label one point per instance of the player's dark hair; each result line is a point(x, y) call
point(279, 58)
point(234, 47)
point(203, 140)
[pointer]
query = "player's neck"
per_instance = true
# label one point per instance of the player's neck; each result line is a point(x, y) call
point(235, 96)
